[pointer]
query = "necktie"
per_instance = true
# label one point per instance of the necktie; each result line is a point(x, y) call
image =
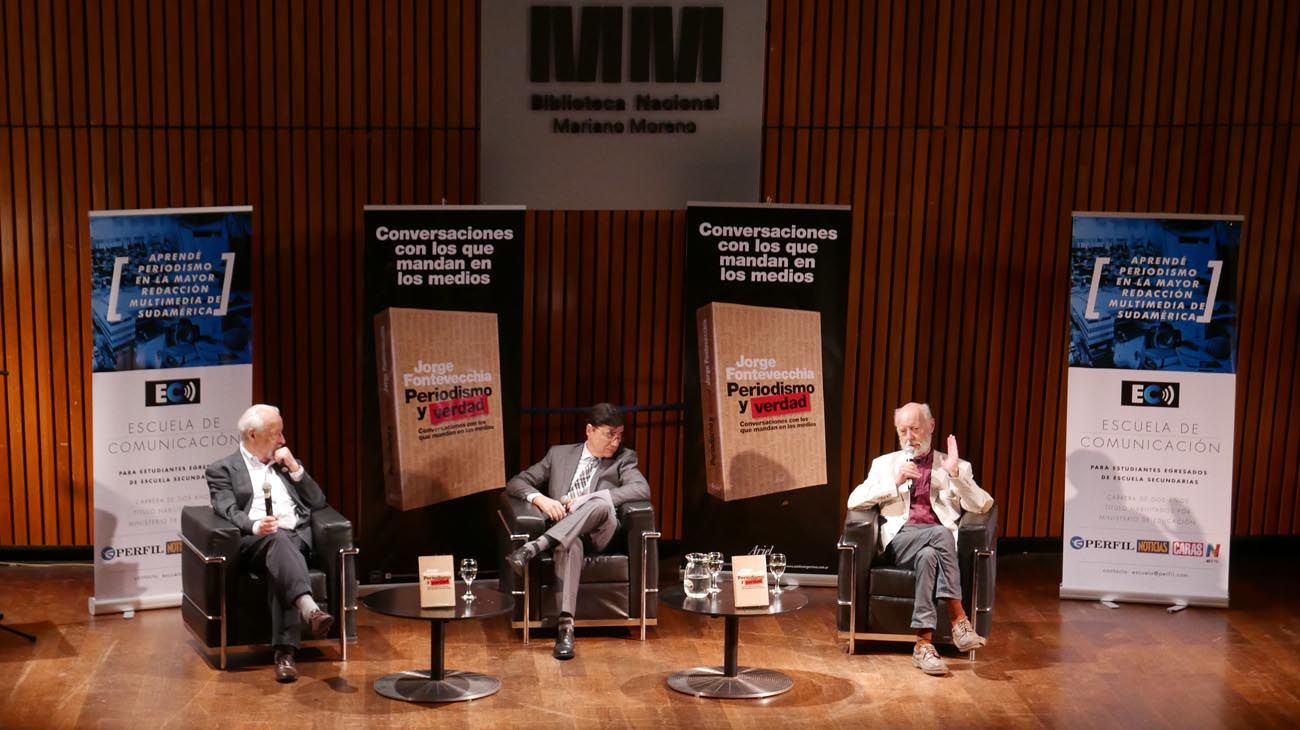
point(585, 470)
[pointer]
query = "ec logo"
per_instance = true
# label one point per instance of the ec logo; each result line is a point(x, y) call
point(1158, 395)
point(171, 392)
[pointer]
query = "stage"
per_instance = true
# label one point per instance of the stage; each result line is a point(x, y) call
point(1049, 663)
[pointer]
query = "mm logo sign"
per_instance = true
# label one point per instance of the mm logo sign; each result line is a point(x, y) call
point(655, 53)
point(1158, 395)
point(171, 392)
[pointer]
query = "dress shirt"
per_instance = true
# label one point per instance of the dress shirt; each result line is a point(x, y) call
point(283, 506)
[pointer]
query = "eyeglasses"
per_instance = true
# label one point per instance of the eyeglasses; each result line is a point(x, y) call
point(610, 434)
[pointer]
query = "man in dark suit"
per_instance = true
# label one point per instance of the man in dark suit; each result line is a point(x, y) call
point(578, 487)
point(275, 542)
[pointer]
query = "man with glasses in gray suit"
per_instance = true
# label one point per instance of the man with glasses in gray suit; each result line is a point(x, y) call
point(579, 488)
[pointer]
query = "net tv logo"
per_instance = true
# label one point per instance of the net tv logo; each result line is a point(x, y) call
point(1156, 395)
point(171, 392)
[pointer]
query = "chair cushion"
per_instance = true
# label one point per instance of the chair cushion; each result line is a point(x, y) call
point(604, 569)
point(893, 581)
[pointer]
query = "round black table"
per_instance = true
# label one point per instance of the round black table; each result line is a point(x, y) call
point(731, 681)
point(437, 684)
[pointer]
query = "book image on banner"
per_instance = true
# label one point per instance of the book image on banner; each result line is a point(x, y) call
point(762, 370)
point(1150, 408)
point(761, 393)
point(444, 312)
point(440, 402)
point(171, 316)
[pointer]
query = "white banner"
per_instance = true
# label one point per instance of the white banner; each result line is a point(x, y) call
point(1149, 428)
point(172, 370)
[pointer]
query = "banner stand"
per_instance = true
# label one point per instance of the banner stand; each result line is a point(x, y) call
point(1150, 408)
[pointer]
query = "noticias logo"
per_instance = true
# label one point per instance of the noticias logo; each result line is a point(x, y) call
point(693, 54)
point(1153, 546)
point(171, 392)
point(1157, 395)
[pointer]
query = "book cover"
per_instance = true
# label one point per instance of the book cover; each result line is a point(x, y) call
point(437, 582)
point(440, 405)
point(761, 391)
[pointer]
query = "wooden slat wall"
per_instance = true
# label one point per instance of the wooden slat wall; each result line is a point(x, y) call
point(962, 132)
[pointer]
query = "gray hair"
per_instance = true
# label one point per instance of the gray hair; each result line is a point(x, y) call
point(254, 419)
point(925, 410)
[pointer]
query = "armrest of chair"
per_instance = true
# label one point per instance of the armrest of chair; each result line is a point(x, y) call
point(208, 535)
point(978, 531)
point(638, 520)
point(518, 518)
point(976, 534)
point(331, 533)
point(211, 545)
point(858, 541)
point(521, 518)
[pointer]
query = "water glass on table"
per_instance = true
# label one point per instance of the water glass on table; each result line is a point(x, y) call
point(715, 570)
point(468, 572)
point(776, 564)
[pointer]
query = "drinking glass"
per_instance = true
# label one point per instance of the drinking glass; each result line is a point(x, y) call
point(468, 572)
point(715, 570)
point(776, 564)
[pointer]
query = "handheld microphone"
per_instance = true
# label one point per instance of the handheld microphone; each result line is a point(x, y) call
point(909, 453)
point(266, 494)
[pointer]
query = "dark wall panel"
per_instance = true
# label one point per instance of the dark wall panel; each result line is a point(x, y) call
point(962, 132)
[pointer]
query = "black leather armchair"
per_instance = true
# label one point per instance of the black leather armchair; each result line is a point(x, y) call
point(619, 587)
point(224, 606)
point(876, 597)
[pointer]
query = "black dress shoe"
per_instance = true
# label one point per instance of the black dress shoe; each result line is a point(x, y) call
point(520, 556)
point(563, 641)
point(286, 669)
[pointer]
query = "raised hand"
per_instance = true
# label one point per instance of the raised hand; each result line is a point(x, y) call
point(951, 460)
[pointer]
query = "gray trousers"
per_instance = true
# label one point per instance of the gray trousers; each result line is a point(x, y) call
point(931, 551)
point(281, 559)
point(591, 525)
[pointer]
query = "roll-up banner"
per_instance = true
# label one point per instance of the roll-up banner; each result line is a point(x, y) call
point(171, 311)
point(443, 306)
point(765, 301)
point(1149, 426)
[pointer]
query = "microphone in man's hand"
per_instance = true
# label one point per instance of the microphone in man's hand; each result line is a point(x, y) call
point(909, 453)
point(266, 494)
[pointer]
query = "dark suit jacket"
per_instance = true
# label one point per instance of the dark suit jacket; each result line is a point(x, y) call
point(619, 475)
point(231, 490)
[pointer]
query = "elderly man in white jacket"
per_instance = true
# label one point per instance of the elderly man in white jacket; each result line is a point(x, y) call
point(922, 493)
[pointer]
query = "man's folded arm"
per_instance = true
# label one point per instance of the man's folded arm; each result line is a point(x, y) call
point(633, 483)
point(222, 492)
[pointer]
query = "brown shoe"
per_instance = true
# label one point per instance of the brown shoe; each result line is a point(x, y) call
point(286, 669)
point(321, 623)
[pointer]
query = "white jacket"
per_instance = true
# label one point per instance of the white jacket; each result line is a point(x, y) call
point(950, 494)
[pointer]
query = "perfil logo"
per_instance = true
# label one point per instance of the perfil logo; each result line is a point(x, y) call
point(1082, 543)
point(1157, 395)
point(655, 52)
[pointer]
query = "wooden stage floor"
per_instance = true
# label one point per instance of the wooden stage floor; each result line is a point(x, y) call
point(1050, 663)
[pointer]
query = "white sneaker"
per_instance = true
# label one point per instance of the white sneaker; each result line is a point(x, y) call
point(965, 638)
point(926, 658)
